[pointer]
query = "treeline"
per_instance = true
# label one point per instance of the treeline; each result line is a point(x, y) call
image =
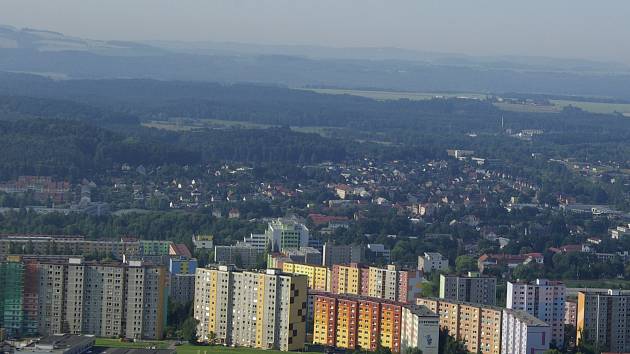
point(280, 145)
point(15, 107)
point(73, 149)
point(177, 227)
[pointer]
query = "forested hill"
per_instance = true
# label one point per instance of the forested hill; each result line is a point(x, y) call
point(74, 149)
point(15, 107)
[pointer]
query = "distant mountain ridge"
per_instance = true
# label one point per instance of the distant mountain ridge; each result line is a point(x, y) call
point(50, 41)
point(55, 55)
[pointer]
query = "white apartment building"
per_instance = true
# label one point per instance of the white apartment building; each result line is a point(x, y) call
point(543, 299)
point(420, 328)
point(432, 261)
point(522, 333)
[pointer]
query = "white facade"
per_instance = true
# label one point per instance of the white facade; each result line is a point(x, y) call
point(420, 328)
point(257, 241)
point(203, 242)
point(432, 261)
point(542, 299)
point(522, 333)
point(286, 233)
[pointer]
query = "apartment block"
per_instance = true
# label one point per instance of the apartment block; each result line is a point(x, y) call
point(304, 255)
point(432, 261)
point(318, 276)
point(18, 298)
point(350, 279)
point(182, 265)
point(104, 299)
point(359, 322)
point(604, 319)
point(182, 288)
point(420, 329)
point(59, 244)
point(478, 326)
point(242, 255)
point(286, 233)
point(543, 299)
point(570, 313)
point(522, 333)
point(388, 283)
point(342, 254)
point(473, 288)
point(259, 310)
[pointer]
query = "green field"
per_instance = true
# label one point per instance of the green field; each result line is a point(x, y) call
point(216, 349)
point(196, 124)
point(394, 95)
point(596, 107)
point(558, 105)
point(116, 343)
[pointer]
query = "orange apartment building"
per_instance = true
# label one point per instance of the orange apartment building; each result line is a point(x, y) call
point(478, 326)
point(352, 322)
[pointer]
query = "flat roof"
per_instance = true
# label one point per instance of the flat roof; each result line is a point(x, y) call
point(421, 310)
point(526, 318)
point(63, 341)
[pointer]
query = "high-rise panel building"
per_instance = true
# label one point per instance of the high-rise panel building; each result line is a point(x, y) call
point(473, 288)
point(104, 299)
point(18, 298)
point(432, 261)
point(478, 326)
point(522, 333)
point(259, 310)
point(603, 318)
point(420, 329)
point(358, 322)
point(543, 299)
point(242, 255)
point(388, 283)
point(286, 233)
point(342, 254)
point(318, 276)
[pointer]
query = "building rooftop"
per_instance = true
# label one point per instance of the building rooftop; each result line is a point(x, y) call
point(60, 343)
point(526, 318)
point(421, 310)
point(464, 303)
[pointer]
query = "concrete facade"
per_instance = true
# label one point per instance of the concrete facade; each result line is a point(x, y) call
point(522, 333)
point(604, 319)
point(472, 288)
point(259, 310)
point(107, 300)
point(543, 299)
point(432, 261)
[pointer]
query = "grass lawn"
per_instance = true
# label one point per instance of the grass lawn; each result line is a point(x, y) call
point(217, 349)
point(595, 107)
point(116, 343)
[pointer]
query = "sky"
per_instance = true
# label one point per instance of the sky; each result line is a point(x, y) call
point(586, 29)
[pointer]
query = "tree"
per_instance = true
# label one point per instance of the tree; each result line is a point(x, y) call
point(465, 264)
point(414, 350)
point(450, 345)
point(189, 330)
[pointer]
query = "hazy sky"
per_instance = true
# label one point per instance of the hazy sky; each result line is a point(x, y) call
point(598, 29)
